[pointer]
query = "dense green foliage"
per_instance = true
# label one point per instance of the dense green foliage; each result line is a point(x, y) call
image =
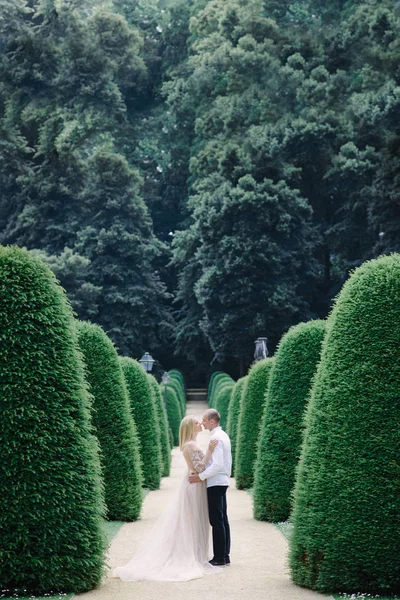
point(145, 416)
point(51, 503)
point(176, 374)
point(347, 501)
point(298, 139)
point(69, 71)
point(200, 173)
point(176, 384)
point(222, 401)
point(211, 384)
point(234, 415)
point(114, 425)
point(281, 431)
point(162, 418)
point(173, 413)
point(218, 379)
point(248, 429)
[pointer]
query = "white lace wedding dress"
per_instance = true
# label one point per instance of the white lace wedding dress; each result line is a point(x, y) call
point(176, 549)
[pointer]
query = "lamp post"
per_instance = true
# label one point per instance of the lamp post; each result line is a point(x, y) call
point(165, 379)
point(261, 350)
point(147, 362)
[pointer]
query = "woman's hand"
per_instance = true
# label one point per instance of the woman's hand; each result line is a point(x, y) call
point(212, 445)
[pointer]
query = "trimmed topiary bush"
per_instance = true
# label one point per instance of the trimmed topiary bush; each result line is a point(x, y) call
point(222, 400)
point(51, 503)
point(162, 425)
point(176, 385)
point(145, 416)
point(173, 413)
point(217, 379)
point(114, 425)
point(170, 437)
point(251, 412)
point(282, 425)
point(176, 374)
point(211, 384)
point(234, 414)
point(347, 495)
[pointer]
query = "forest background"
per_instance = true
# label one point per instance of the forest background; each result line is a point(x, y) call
point(200, 173)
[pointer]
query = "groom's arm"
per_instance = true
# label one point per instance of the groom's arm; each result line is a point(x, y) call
point(217, 464)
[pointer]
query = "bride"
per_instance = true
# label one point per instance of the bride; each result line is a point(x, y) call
point(176, 549)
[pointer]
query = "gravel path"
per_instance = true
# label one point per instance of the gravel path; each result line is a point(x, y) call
point(258, 570)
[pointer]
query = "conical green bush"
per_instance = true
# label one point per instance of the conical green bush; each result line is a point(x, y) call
point(222, 402)
point(174, 414)
point(251, 412)
point(162, 425)
point(347, 494)
point(176, 385)
point(51, 503)
point(145, 416)
point(218, 378)
point(282, 425)
point(176, 374)
point(234, 414)
point(114, 424)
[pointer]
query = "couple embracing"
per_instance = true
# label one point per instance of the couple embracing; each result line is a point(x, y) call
point(177, 547)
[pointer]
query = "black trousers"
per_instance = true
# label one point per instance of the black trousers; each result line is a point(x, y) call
point(221, 533)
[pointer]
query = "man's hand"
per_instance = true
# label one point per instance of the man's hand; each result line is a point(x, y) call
point(194, 479)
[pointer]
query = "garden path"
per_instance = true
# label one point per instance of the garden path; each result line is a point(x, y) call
point(258, 570)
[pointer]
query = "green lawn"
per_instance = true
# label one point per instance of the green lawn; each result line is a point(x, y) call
point(111, 529)
point(286, 529)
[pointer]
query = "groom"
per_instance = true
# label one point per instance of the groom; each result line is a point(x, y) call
point(217, 473)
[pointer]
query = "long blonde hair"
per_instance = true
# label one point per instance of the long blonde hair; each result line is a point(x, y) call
point(186, 430)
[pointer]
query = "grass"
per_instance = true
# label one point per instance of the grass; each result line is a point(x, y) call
point(111, 529)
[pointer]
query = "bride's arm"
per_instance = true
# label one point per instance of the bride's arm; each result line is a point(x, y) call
point(186, 455)
point(207, 456)
point(193, 462)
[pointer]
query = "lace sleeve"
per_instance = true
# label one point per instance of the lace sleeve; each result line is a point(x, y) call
point(196, 456)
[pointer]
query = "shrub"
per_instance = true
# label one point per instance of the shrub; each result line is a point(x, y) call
point(282, 425)
point(234, 414)
point(347, 500)
point(249, 424)
point(145, 416)
point(162, 425)
point(114, 425)
point(174, 414)
point(222, 402)
point(51, 503)
point(218, 378)
point(170, 437)
point(175, 374)
point(180, 394)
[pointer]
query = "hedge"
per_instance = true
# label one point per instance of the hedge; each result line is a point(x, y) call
point(217, 379)
point(211, 385)
point(114, 425)
point(282, 425)
point(158, 400)
point(180, 394)
point(51, 503)
point(234, 414)
point(222, 400)
point(145, 416)
point(176, 374)
point(347, 496)
point(251, 412)
point(173, 413)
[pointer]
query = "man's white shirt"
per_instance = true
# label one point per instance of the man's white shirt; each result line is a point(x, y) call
point(219, 469)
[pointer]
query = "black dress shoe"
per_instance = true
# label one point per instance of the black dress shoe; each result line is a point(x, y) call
point(217, 563)
point(227, 560)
